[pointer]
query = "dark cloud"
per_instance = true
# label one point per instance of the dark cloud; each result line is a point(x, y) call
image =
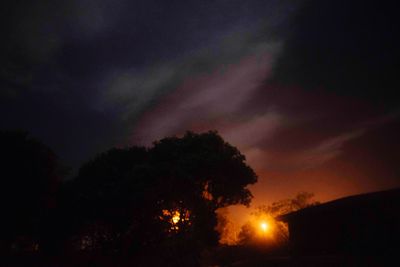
point(347, 47)
point(342, 59)
point(79, 74)
point(335, 81)
point(61, 121)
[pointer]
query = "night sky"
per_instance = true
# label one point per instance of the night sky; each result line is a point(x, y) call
point(305, 89)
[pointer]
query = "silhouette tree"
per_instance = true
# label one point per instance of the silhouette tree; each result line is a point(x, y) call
point(96, 209)
point(162, 199)
point(27, 192)
point(203, 173)
point(215, 168)
point(270, 213)
point(300, 201)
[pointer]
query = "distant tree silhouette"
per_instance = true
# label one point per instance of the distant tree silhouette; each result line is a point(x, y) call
point(27, 192)
point(162, 199)
point(300, 201)
point(248, 232)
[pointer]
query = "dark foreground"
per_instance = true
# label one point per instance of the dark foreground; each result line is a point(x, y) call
point(254, 257)
point(235, 256)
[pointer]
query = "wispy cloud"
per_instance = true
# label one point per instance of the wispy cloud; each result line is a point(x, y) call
point(327, 150)
point(216, 99)
point(203, 85)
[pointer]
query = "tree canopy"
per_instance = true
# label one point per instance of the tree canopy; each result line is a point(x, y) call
point(30, 175)
point(136, 198)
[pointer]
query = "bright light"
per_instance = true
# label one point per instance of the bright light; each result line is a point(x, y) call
point(264, 226)
point(176, 217)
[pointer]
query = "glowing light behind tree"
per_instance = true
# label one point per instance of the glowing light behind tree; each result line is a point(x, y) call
point(176, 219)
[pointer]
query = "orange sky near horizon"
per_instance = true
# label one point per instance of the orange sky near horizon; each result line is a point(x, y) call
point(332, 180)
